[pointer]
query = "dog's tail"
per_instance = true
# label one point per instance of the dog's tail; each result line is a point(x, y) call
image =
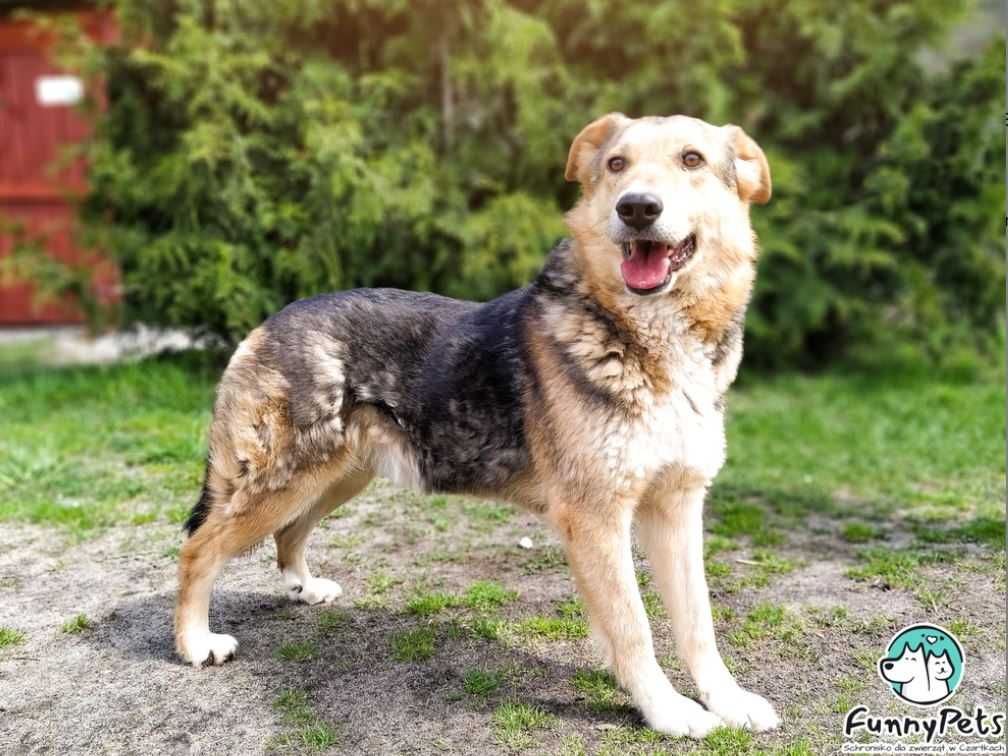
point(199, 512)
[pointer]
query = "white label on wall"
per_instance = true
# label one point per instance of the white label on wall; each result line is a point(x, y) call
point(58, 90)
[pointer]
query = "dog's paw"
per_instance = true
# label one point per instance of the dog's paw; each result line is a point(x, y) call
point(315, 591)
point(208, 649)
point(740, 708)
point(683, 717)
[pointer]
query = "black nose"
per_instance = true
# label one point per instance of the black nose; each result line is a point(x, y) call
point(887, 665)
point(639, 210)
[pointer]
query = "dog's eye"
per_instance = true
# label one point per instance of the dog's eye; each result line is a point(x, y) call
point(692, 159)
point(616, 164)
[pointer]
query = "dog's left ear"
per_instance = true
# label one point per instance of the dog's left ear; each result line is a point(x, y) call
point(751, 167)
point(586, 145)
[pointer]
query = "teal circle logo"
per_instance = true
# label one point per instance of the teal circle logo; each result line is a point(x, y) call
point(923, 664)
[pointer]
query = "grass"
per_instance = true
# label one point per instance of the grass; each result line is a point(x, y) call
point(426, 604)
point(618, 741)
point(860, 532)
point(77, 624)
point(599, 689)
point(306, 732)
point(486, 595)
point(552, 628)
point(569, 623)
point(799, 442)
point(413, 645)
point(887, 568)
point(483, 596)
point(87, 447)
point(486, 628)
point(796, 443)
point(332, 620)
point(514, 723)
point(767, 621)
point(481, 682)
point(10, 637)
point(301, 651)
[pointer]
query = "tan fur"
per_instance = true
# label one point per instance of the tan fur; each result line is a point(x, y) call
point(641, 453)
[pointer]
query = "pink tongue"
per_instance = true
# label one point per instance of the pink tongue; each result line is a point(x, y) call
point(646, 270)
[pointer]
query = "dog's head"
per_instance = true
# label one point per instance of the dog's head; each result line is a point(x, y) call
point(909, 665)
point(665, 201)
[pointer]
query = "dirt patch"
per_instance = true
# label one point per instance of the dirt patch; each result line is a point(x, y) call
point(117, 687)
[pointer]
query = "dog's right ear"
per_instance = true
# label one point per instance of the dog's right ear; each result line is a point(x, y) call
point(586, 145)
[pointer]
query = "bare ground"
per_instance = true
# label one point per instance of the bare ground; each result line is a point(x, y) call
point(118, 688)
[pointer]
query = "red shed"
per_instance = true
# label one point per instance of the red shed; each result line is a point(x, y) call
point(38, 119)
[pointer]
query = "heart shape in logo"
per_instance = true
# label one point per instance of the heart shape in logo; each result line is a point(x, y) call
point(932, 639)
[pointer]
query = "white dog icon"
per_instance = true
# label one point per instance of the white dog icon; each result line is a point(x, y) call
point(924, 675)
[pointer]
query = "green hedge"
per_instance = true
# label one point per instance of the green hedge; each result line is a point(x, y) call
point(256, 151)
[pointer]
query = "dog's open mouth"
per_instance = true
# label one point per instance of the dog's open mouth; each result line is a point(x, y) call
point(648, 265)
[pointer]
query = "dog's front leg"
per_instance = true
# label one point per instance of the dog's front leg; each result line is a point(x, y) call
point(670, 528)
point(598, 543)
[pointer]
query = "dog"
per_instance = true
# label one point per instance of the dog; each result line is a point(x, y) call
point(593, 397)
point(923, 674)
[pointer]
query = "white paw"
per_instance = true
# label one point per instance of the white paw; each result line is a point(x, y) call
point(208, 648)
point(740, 708)
point(315, 591)
point(682, 716)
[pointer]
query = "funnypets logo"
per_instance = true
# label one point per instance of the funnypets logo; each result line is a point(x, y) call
point(924, 665)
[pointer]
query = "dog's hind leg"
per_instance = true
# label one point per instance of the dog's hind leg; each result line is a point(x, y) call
point(670, 529)
point(597, 539)
point(229, 526)
point(292, 539)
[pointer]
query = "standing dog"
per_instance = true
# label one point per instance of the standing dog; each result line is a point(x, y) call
point(594, 397)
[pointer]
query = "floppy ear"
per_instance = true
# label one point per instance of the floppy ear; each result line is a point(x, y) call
point(586, 145)
point(751, 167)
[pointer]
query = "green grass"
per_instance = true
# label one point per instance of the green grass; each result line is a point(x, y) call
point(515, 722)
point(429, 603)
point(77, 624)
point(380, 584)
point(767, 621)
point(552, 628)
point(86, 447)
point(298, 652)
point(619, 741)
point(481, 682)
point(332, 620)
point(848, 692)
point(10, 637)
point(294, 707)
point(728, 741)
point(569, 624)
point(801, 442)
point(485, 595)
point(599, 689)
point(307, 733)
point(887, 568)
point(860, 532)
point(486, 628)
point(413, 645)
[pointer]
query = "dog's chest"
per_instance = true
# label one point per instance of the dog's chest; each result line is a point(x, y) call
point(678, 427)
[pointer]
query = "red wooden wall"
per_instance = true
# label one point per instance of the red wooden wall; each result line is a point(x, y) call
point(32, 192)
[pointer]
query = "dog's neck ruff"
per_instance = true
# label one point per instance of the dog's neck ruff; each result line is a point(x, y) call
point(656, 325)
point(632, 353)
